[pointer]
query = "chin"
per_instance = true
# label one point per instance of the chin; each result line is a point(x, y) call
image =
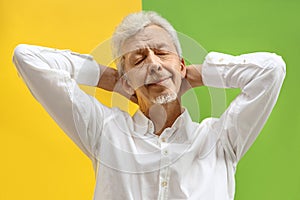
point(165, 98)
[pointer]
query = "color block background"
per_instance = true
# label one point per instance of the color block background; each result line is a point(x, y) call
point(270, 170)
point(37, 161)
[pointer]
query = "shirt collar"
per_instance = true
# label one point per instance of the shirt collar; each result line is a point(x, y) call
point(143, 125)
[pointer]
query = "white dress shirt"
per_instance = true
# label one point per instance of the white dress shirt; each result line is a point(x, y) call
point(188, 160)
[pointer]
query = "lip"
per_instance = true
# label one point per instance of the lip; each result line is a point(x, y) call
point(158, 82)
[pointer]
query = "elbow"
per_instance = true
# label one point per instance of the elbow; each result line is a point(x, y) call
point(280, 63)
point(20, 50)
point(275, 67)
point(277, 64)
point(19, 53)
point(24, 55)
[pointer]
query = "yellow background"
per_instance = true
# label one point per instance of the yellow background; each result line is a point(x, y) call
point(37, 160)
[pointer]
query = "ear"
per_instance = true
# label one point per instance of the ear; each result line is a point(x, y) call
point(126, 87)
point(182, 68)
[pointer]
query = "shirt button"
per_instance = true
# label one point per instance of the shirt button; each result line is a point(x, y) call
point(165, 152)
point(163, 139)
point(164, 183)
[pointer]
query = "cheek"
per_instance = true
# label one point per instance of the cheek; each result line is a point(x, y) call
point(136, 78)
point(176, 71)
point(178, 81)
point(173, 65)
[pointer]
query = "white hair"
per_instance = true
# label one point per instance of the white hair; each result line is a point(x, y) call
point(134, 23)
point(165, 98)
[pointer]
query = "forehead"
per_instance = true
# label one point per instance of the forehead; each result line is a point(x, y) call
point(151, 36)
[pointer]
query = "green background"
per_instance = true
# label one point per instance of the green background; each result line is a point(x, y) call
point(271, 168)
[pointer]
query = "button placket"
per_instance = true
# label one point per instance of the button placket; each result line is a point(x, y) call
point(164, 183)
point(151, 128)
point(165, 152)
point(164, 171)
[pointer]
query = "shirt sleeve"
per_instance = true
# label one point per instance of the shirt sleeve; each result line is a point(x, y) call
point(52, 76)
point(260, 77)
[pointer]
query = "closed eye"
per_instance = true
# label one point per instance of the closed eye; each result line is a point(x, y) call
point(139, 61)
point(161, 53)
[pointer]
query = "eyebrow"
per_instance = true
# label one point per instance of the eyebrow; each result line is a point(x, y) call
point(134, 53)
point(159, 45)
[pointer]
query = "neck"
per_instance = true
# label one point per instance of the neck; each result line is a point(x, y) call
point(162, 115)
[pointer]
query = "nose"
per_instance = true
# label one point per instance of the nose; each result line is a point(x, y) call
point(153, 63)
point(154, 68)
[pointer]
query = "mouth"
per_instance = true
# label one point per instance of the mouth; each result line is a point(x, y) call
point(157, 82)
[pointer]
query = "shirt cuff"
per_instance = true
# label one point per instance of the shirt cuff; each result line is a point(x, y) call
point(89, 71)
point(213, 69)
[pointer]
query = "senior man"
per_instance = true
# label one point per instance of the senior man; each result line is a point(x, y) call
point(158, 153)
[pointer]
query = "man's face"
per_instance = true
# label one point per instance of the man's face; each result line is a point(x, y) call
point(152, 66)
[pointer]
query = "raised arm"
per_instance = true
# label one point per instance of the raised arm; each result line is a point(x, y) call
point(260, 77)
point(53, 76)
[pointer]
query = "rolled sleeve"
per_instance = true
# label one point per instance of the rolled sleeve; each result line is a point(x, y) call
point(260, 77)
point(53, 76)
